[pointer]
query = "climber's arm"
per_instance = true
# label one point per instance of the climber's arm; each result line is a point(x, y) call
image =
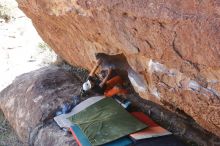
point(106, 78)
point(95, 68)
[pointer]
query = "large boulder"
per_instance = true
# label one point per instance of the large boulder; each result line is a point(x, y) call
point(31, 101)
point(172, 46)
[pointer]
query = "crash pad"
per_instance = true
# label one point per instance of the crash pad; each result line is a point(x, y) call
point(62, 120)
point(154, 130)
point(82, 140)
point(106, 121)
point(124, 141)
point(79, 136)
point(169, 140)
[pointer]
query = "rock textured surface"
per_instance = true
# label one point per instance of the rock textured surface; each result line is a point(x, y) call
point(173, 45)
point(30, 102)
point(52, 135)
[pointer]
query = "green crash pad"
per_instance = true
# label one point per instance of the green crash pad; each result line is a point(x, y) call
point(106, 121)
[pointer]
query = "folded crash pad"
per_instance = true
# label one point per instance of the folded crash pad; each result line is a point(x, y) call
point(82, 140)
point(79, 136)
point(106, 121)
point(154, 130)
point(169, 140)
point(124, 141)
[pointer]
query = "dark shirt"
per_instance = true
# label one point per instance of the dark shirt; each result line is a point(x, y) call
point(96, 88)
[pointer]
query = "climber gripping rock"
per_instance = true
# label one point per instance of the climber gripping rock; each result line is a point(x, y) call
point(107, 85)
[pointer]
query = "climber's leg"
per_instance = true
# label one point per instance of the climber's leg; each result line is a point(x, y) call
point(115, 91)
point(117, 80)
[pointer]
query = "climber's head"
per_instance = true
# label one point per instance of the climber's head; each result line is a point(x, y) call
point(87, 85)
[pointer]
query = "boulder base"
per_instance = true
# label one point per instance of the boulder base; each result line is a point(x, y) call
point(31, 101)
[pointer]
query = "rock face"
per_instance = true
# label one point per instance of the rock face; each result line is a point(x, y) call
point(31, 101)
point(51, 135)
point(172, 47)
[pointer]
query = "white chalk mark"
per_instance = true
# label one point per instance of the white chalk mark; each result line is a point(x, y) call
point(38, 99)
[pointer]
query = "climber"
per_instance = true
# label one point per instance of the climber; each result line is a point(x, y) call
point(107, 87)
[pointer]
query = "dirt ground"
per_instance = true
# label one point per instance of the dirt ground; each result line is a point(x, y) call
point(21, 48)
